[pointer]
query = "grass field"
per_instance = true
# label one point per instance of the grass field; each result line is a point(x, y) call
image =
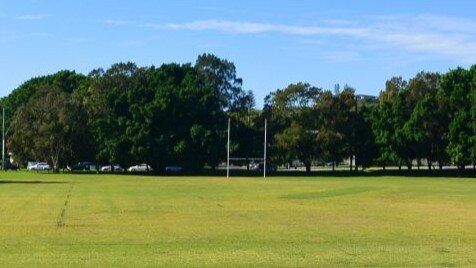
point(68, 220)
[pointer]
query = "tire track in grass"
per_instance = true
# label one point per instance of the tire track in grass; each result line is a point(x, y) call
point(62, 217)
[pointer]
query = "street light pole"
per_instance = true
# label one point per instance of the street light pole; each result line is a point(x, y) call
point(3, 137)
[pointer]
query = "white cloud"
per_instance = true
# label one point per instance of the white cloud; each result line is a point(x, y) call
point(32, 17)
point(447, 24)
point(116, 22)
point(447, 37)
point(256, 28)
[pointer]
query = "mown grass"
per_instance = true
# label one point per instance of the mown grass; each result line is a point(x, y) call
point(132, 221)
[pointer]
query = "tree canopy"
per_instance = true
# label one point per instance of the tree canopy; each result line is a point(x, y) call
point(176, 114)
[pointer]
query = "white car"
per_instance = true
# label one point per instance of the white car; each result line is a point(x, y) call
point(140, 168)
point(40, 166)
point(108, 168)
point(30, 165)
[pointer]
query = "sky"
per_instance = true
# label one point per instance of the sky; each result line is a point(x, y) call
point(272, 43)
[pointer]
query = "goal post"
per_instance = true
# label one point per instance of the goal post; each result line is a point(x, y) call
point(264, 154)
point(228, 152)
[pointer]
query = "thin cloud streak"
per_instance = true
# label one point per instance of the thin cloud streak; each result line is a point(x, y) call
point(436, 35)
point(32, 17)
point(256, 28)
point(116, 22)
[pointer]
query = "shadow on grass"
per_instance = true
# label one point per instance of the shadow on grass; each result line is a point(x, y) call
point(32, 182)
point(329, 173)
point(384, 173)
point(468, 173)
point(329, 194)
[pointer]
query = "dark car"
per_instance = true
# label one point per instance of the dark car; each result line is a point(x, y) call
point(269, 167)
point(173, 169)
point(82, 166)
point(10, 166)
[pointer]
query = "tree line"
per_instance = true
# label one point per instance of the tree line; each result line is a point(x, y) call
point(176, 114)
point(431, 117)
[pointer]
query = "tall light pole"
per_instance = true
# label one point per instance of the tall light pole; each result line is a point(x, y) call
point(3, 137)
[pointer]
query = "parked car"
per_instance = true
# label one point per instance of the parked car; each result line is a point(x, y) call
point(173, 169)
point(254, 166)
point(140, 168)
point(10, 166)
point(269, 167)
point(40, 166)
point(30, 164)
point(109, 168)
point(82, 166)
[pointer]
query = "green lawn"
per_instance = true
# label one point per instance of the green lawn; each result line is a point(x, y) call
point(132, 221)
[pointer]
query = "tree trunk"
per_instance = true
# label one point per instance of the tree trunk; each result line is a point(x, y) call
point(350, 159)
point(54, 163)
point(308, 167)
point(408, 164)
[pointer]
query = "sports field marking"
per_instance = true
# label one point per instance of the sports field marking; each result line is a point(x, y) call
point(62, 217)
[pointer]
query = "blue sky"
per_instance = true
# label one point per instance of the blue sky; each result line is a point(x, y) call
point(272, 43)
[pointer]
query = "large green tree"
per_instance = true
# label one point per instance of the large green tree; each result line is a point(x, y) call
point(187, 121)
point(456, 86)
point(67, 81)
point(109, 104)
point(472, 99)
point(294, 122)
point(383, 130)
point(427, 125)
point(364, 139)
point(332, 138)
point(50, 127)
point(346, 119)
point(160, 116)
point(393, 112)
point(220, 75)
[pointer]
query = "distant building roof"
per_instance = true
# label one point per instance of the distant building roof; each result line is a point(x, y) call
point(366, 97)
